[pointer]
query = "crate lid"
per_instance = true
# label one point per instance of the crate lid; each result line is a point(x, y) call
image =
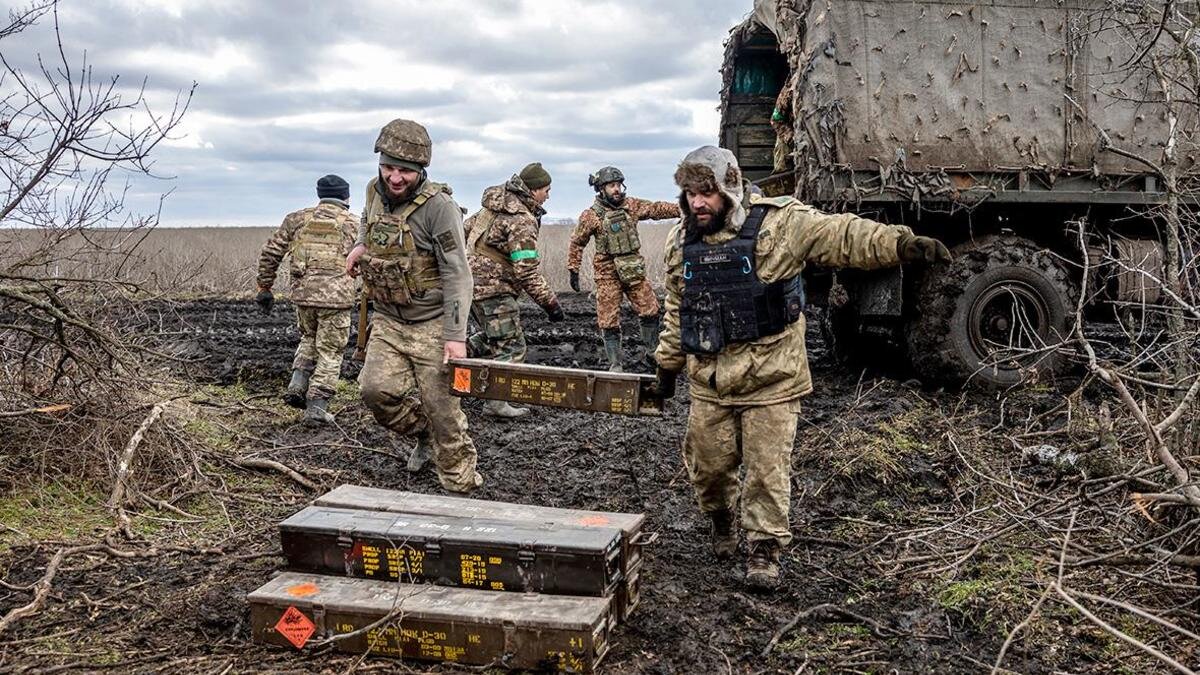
point(431, 603)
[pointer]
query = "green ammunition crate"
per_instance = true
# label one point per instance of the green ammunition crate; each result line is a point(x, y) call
point(432, 623)
point(631, 525)
point(495, 555)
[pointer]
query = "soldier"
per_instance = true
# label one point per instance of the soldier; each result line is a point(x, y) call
point(413, 261)
point(502, 247)
point(316, 240)
point(734, 319)
point(618, 265)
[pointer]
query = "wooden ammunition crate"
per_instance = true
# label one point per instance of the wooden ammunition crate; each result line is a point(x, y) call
point(433, 623)
point(593, 390)
point(498, 555)
point(631, 525)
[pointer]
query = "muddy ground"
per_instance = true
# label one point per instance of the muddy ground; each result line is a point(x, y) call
point(893, 560)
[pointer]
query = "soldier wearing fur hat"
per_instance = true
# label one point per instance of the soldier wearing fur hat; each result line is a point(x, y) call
point(412, 256)
point(734, 321)
point(618, 266)
point(316, 241)
point(502, 245)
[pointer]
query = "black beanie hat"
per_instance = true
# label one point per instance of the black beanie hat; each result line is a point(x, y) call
point(333, 187)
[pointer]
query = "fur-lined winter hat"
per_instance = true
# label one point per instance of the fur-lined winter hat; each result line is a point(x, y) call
point(699, 172)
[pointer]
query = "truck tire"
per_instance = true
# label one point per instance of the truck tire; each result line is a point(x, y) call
point(979, 318)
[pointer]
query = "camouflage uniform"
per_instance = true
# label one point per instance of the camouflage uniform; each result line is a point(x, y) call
point(316, 240)
point(783, 122)
point(502, 248)
point(745, 398)
point(609, 287)
point(416, 273)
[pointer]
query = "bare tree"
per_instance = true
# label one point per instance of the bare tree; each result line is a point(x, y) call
point(67, 134)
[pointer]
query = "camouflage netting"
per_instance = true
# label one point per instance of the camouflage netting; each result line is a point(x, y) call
point(951, 100)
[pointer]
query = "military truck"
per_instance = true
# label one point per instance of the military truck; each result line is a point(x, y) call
point(982, 123)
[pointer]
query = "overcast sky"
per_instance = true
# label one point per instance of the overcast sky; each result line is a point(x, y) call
point(288, 91)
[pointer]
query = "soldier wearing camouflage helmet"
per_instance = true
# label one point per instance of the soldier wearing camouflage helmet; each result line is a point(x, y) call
point(502, 241)
point(316, 240)
point(412, 257)
point(734, 320)
point(618, 266)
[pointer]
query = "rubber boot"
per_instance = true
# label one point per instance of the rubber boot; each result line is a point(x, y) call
point(297, 391)
point(503, 410)
point(612, 349)
point(421, 453)
point(318, 412)
point(724, 536)
point(650, 327)
point(762, 566)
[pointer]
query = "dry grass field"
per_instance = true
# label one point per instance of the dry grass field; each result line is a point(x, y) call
point(222, 261)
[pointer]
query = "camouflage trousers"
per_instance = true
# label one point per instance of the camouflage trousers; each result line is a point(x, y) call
point(404, 384)
point(323, 337)
point(721, 439)
point(609, 291)
point(500, 336)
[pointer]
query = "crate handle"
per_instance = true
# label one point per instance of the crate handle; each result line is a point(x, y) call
point(591, 388)
point(644, 539)
point(484, 374)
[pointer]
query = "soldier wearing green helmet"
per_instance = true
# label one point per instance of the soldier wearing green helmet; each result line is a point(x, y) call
point(618, 266)
point(412, 257)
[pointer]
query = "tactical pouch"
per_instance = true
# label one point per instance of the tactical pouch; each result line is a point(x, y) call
point(631, 269)
point(501, 318)
point(701, 326)
point(385, 280)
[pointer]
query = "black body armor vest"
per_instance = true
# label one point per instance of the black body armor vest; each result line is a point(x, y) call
point(724, 302)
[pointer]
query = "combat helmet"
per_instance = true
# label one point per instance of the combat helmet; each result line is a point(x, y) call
point(609, 174)
point(405, 140)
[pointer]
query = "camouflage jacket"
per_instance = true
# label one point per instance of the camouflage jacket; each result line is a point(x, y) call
point(589, 226)
point(512, 220)
point(317, 263)
point(771, 369)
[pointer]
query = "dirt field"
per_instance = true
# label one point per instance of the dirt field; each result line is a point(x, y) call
point(207, 261)
point(923, 537)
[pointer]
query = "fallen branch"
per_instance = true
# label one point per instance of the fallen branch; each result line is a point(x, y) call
point(833, 610)
point(41, 588)
point(1120, 635)
point(276, 466)
point(117, 499)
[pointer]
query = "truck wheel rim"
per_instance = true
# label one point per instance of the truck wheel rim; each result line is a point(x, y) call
point(1007, 321)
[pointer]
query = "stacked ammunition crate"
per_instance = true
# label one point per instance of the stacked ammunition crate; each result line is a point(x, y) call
point(519, 586)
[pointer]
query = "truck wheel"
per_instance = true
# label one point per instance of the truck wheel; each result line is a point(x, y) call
point(991, 315)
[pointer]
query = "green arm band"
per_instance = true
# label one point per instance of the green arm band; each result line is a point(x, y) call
point(776, 115)
point(526, 254)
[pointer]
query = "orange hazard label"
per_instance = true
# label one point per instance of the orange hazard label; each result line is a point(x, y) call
point(303, 590)
point(296, 627)
point(462, 380)
point(594, 521)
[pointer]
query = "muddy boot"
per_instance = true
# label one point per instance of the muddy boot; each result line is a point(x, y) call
point(762, 567)
point(421, 453)
point(297, 391)
point(650, 328)
point(503, 410)
point(724, 536)
point(318, 412)
point(612, 349)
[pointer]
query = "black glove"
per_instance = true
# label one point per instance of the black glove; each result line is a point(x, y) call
point(265, 300)
point(911, 248)
point(574, 281)
point(664, 383)
point(555, 313)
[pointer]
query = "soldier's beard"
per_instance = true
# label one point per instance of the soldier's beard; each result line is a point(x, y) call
point(714, 224)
